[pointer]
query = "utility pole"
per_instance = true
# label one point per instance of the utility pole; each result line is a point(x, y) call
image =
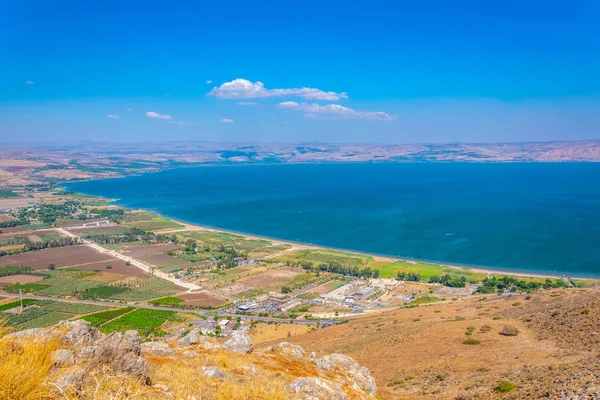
point(21, 297)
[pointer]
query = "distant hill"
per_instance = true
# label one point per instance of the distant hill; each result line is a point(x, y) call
point(42, 163)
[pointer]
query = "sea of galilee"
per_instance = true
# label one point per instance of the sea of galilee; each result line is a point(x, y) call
point(539, 218)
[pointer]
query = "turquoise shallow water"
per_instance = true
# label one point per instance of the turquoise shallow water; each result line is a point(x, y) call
point(520, 217)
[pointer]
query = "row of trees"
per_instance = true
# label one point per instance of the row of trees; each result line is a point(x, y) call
point(493, 284)
point(448, 280)
point(408, 276)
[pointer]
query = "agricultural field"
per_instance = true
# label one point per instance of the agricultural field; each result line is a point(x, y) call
point(60, 257)
point(103, 317)
point(272, 277)
point(42, 313)
point(167, 301)
point(268, 251)
point(19, 279)
point(98, 231)
point(142, 320)
point(148, 249)
point(322, 256)
point(164, 261)
point(150, 222)
point(201, 300)
point(113, 265)
point(216, 239)
point(142, 289)
point(328, 287)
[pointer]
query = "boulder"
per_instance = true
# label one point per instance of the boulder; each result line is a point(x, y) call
point(190, 354)
point(71, 380)
point(63, 358)
point(191, 338)
point(160, 349)
point(239, 343)
point(208, 343)
point(212, 372)
point(132, 364)
point(316, 389)
point(289, 350)
point(81, 332)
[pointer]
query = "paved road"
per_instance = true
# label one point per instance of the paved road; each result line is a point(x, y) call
point(137, 263)
point(198, 312)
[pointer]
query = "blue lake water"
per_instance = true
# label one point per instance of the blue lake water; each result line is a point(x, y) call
point(529, 217)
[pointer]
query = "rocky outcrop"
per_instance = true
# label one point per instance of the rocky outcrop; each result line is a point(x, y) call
point(239, 343)
point(359, 377)
point(70, 380)
point(63, 358)
point(212, 372)
point(86, 354)
point(158, 349)
point(120, 351)
point(81, 333)
point(289, 350)
point(316, 389)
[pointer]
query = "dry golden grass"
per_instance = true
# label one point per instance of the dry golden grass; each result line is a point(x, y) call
point(24, 369)
point(268, 333)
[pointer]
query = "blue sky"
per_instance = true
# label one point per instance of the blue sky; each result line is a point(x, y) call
point(332, 71)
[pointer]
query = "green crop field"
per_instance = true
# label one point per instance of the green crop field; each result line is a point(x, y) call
point(26, 288)
point(325, 256)
point(167, 301)
point(48, 237)
point(143, 320)
point(17, 303)
point(147, 289)
point(216, 239)
point(103, 292)
point(102, 317)
point(6, 194)
point(150, 222)
point(47, 312)
point(72, 308)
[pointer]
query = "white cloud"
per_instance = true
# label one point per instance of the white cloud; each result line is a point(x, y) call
point(244, 89)
point(333, 110)
point(113, 116)
point(128, 109)
point(208, 82)
point(227, 120)
point(29, 82)
point(154, 115)
point(176, 122)
point(246, 103)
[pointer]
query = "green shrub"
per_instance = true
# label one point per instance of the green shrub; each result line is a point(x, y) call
point(471, 342)
point(505, 386)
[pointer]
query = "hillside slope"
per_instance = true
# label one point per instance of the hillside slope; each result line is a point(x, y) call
point(72, 360)
point(546, 345)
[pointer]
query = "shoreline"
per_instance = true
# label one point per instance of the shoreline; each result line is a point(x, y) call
point(376, 257)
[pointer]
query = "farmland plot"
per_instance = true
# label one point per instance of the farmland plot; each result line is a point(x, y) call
point(142, 320)
point(60, 257)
